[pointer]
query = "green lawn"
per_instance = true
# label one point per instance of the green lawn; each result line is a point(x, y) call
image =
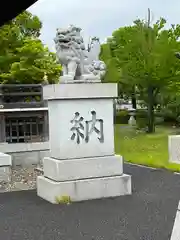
point(146, 149)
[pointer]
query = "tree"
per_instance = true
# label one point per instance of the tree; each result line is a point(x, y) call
point(146, 57)
point(112, 73)
point(28, 24)
point(23, 57)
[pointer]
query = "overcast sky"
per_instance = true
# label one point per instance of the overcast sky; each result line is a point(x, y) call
point(99, 17)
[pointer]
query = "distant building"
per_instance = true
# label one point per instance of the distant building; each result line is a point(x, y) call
point(23, 113)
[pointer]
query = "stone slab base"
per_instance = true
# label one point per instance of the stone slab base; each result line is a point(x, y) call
point(5, 174)
point(5, 159)
point(74, 169)
point(176, 228)
point(173, 148)
point(84, 189)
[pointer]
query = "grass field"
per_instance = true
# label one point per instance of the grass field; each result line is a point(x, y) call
point(145, 149)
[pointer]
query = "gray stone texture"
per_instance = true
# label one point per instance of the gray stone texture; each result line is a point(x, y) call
point(28, 158)
point(174, 148)
point(74, 169)
point(88, 168)
point(5, 173)
point(77, 62)
point(26, 154)
point(84, 189)
point(176, 228)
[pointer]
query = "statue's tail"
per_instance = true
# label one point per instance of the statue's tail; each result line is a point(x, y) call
point(94, 50)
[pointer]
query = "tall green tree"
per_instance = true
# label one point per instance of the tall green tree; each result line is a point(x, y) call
point(23, 57)
point(112, 73)
point(145, 54)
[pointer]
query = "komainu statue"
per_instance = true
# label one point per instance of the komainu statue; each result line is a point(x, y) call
point(77, 62)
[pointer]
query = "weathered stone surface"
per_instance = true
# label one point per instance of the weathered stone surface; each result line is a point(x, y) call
point(174, 148)
point(65, 146)
point(80, 91)
point(64, 170)
point(77, 62)
point(5, 159)
point(176, 228)
point(25, 158)
point(82, 163)
point(5, 174)
point(29, 158)
point(24, 154)
point(81, 190)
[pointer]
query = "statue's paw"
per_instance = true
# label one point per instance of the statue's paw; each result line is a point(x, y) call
point(90, 78)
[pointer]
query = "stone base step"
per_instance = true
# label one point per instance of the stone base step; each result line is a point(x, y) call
point(84, 189)
point(82, 168)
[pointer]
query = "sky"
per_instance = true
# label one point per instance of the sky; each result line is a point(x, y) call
point(99, 17)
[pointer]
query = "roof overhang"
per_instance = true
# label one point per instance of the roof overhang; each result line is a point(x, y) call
point(10, 9)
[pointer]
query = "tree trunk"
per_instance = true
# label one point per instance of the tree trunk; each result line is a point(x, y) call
point(151, 125)
point(133, 99)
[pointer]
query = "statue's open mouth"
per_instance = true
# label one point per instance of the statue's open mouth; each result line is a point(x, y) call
point(63, 40)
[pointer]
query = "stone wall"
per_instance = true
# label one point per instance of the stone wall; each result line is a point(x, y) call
point(26, 154)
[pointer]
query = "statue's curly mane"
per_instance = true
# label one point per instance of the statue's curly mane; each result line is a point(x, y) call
point(67, 42)
point(66, 36)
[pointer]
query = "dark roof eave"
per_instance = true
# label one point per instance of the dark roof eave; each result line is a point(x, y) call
point(10, 9)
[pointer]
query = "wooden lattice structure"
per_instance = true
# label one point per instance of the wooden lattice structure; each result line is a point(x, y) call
point(23, 113)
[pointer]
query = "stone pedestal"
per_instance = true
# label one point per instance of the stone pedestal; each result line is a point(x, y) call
point(174, 149)
point(82, 163)
point(5, 167)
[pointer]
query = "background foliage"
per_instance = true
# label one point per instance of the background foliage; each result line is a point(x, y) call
point(141, 58)
point(23, 57)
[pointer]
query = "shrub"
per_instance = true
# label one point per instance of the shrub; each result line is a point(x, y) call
point(122, 117)
point(141, 113)
point(159, 120)
point(63, 200)
point(141, 122)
